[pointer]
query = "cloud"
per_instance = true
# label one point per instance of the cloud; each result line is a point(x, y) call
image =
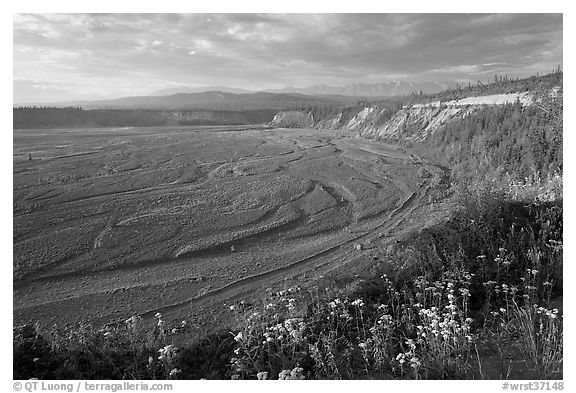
point(130, 54)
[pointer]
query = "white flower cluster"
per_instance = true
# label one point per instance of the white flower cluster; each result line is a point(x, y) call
point(339, 308)
point(168, 354)
point(335, 303)
point(292, 328)
point(358, 303)
point(409, 356)
point(297, 373)
point(239, 337)
point(133, 322)
point(442, 325)
point(444, 329)
point(262, 375)
point(553, 314)
point(161, 323)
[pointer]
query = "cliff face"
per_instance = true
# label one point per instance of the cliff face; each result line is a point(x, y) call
point(378, 122)
point(424, 119)
point(294, 119)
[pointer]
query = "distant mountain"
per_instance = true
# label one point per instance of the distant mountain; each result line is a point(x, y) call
point(224, 98)
point(185, 89)
point(384, 89)
point(213, 100)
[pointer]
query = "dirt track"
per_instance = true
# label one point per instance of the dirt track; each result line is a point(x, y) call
point(112, 223)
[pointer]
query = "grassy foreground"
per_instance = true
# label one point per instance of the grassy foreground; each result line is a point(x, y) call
point(478, 297)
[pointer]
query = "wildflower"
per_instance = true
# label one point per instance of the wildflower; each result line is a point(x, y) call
point(401, 358)
point(239, 337)
point(167, 353)
point(296, 373)
point(175, 372)
point(358, 303)
point(502, 310)
point(262, 375)
point(158, 315)
point(414, 362)
point(36, 360)
point(232, 308)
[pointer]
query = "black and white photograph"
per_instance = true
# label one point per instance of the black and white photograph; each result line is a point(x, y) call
point(286, 196)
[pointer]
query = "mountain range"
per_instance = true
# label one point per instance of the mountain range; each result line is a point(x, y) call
point(226, 98)
point(383, 89)
point(212, 101)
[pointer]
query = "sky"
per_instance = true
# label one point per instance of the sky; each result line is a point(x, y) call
point(61, 57)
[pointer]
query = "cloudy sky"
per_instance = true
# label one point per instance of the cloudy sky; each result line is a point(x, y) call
point(59, 57)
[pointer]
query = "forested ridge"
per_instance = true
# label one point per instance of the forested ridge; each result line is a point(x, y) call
point(75, 117)
point(501, 139)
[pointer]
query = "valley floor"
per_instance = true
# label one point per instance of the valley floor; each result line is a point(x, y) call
point(111, 223)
